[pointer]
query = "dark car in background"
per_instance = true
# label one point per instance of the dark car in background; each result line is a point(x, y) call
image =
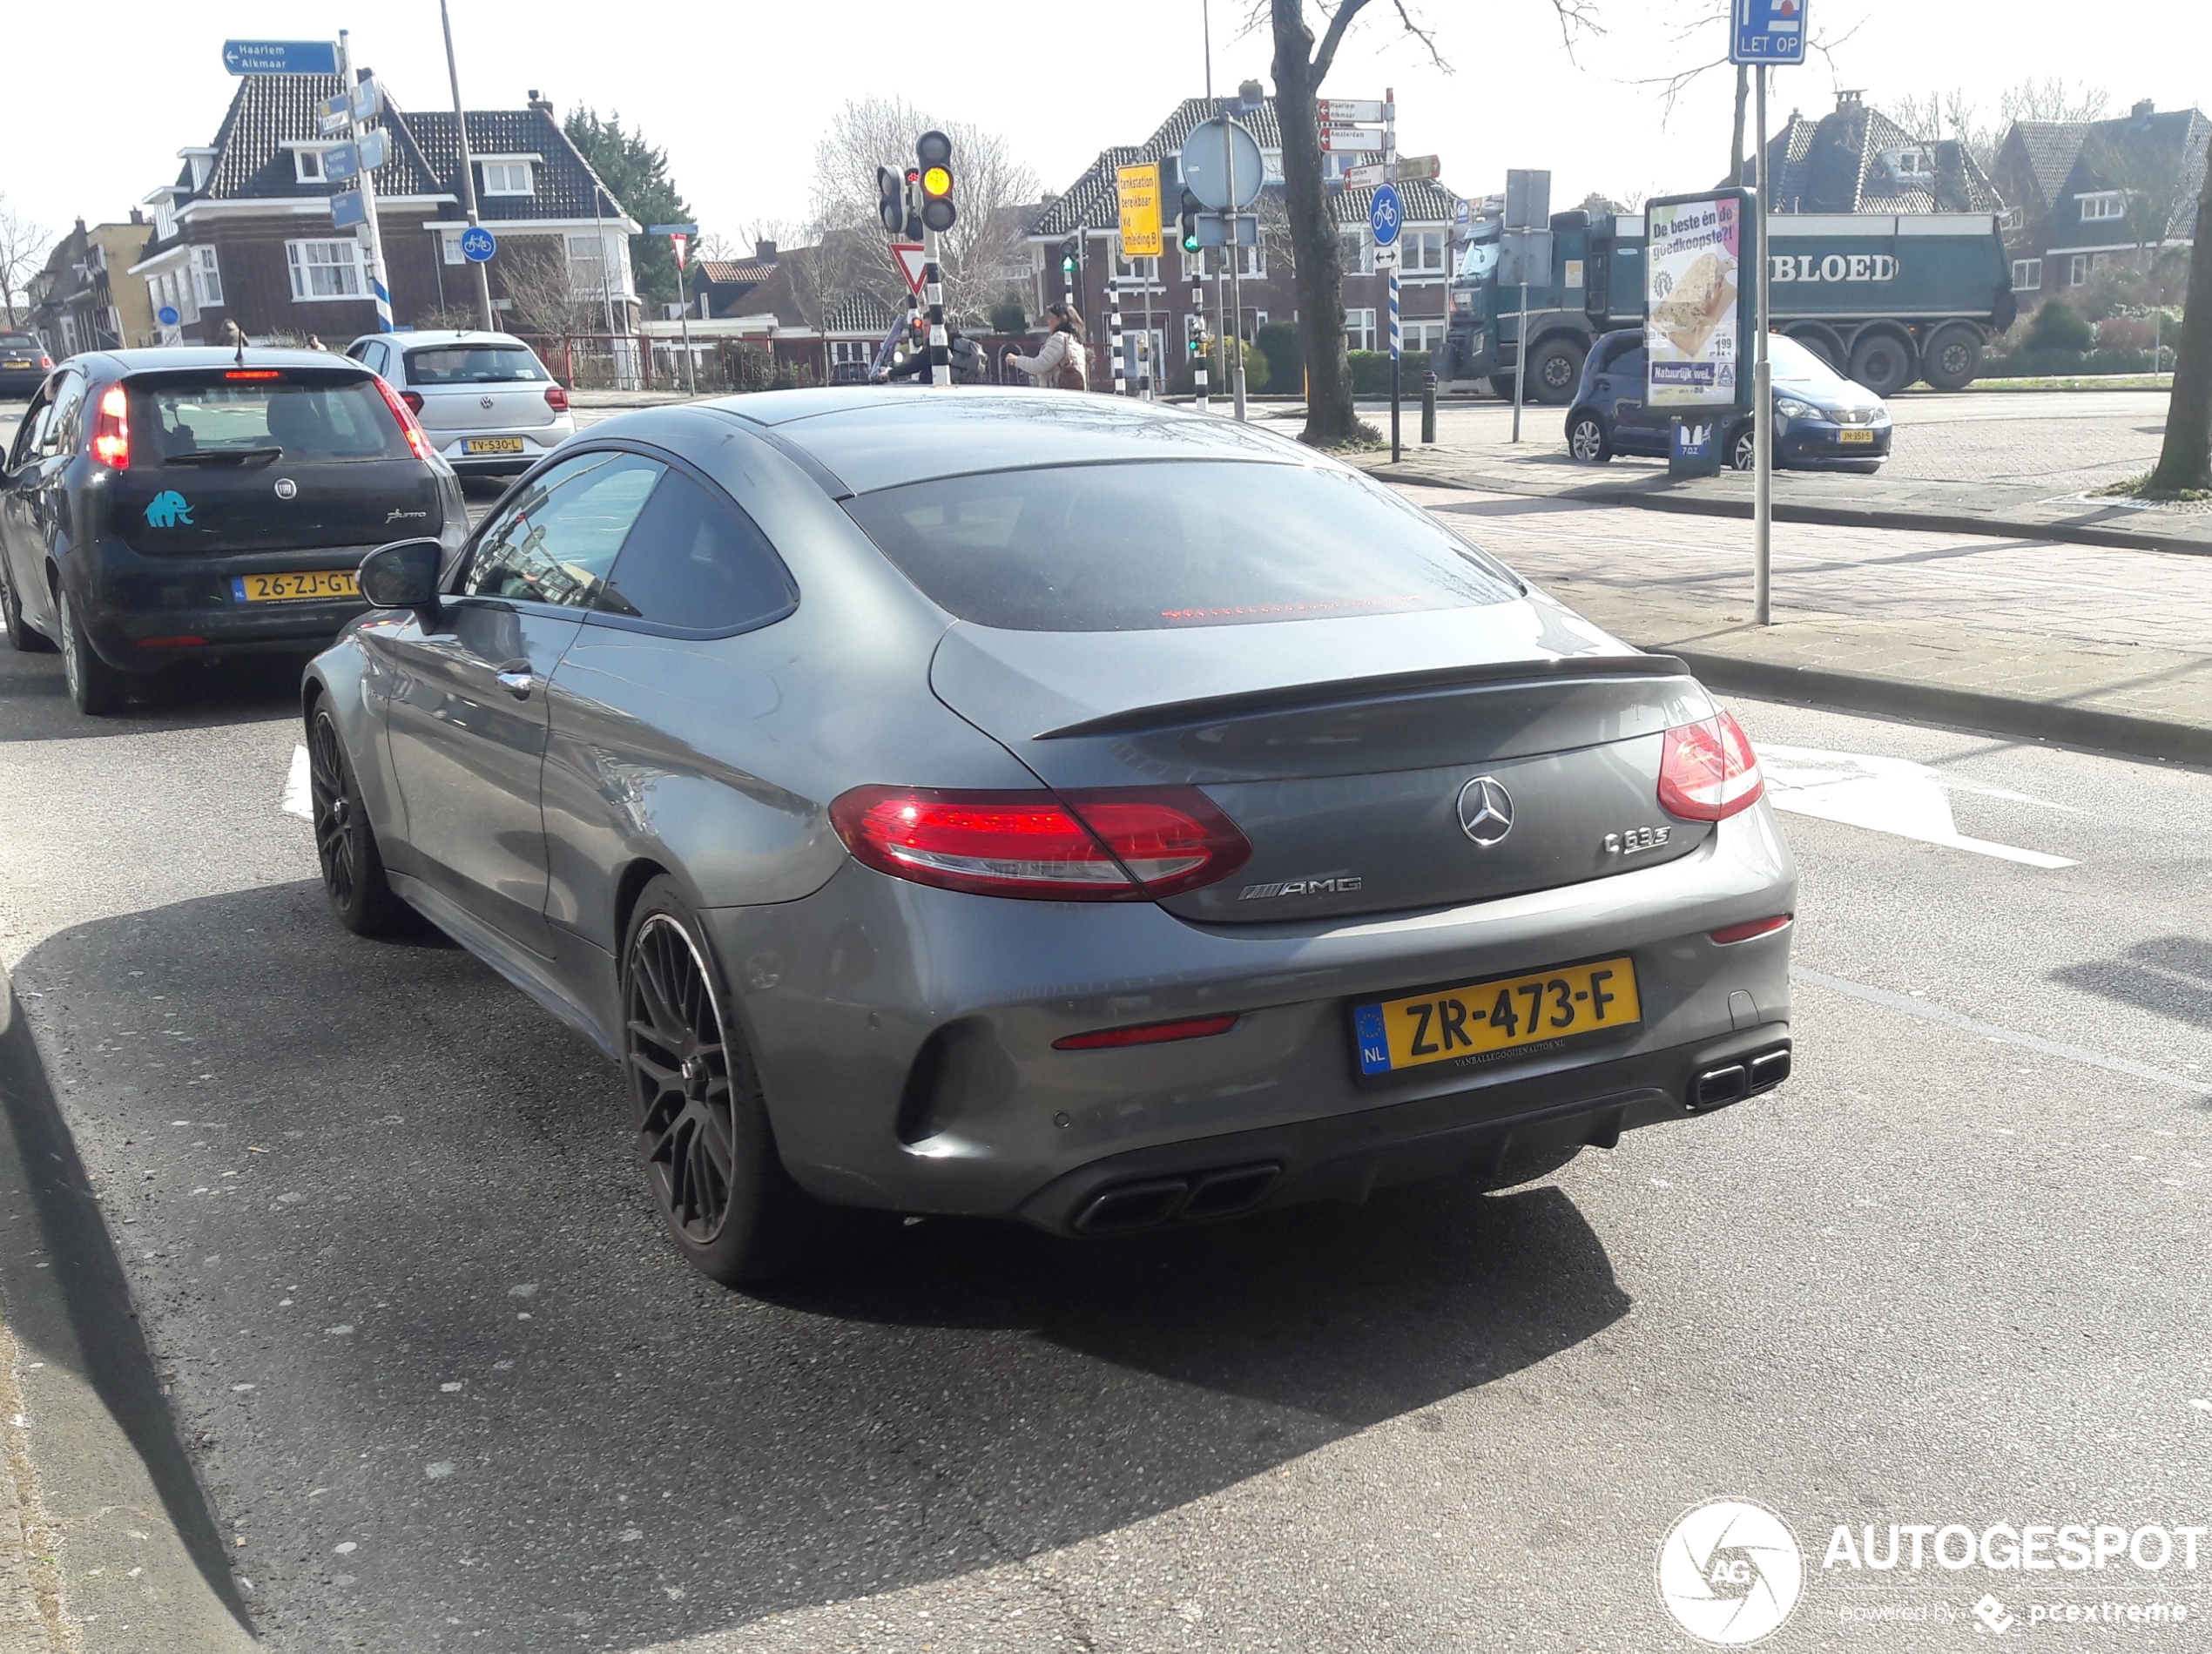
point(1822, 421)
point(168, 505)
point(23, 364)
point(1050, 807)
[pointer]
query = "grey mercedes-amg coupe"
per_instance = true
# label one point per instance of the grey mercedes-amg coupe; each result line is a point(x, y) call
point(1049, 807)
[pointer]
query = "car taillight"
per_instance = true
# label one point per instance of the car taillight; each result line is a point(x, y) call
point(556, 399)
point(1129, 845)
point(1708, 771)
point(111, 429)
point(45, 362)
point(1765, 927)
point(413, 400)
point(417, 443)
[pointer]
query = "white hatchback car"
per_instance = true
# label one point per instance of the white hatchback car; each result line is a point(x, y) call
point(485, 401)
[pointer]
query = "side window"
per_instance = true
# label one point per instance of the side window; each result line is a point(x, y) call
point(1617, 354)
point(556, 543)
point(1629, 369)
point(380, 358)
point(31, 433)
point(358, 350)
point(694, 560)
point(62, 431)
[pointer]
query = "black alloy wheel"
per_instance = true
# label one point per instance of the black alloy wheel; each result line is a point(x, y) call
point(353, 870)
point(21, 638)
point(97, 688)
point(1586, 439)
point(708, 1155)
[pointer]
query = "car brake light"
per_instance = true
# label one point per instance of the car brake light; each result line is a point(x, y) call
point(413, 400)
point(1148, 1034)
point(45, 362)
point(556, 399)
point(253, 373)
point(1130, 845)
point(111, 429)
point(1708, 771)
point(1744, 933)
point(418, 444)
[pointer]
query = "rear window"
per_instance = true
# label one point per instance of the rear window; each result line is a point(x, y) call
point(235, 414)
point(472, 365)
point(15, 344)
point(1160, 545)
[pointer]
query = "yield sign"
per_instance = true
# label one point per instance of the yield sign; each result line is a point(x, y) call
point(912, 261)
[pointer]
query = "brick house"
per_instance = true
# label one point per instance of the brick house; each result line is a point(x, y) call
point(81, 301)
point(1857, 159)
point(244, 234)
point(1156, 303)
point(2069, 186)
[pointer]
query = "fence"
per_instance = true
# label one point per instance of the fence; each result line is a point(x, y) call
point(720, 366)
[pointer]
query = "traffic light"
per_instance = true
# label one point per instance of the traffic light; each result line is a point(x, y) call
point(1191, 204)
point(1068, 262)
point(934, 151)
point(891, 199)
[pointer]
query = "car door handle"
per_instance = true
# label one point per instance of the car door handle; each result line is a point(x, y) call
point(517, 680)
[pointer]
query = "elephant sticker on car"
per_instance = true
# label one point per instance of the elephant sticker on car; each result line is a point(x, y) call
point(168, 508)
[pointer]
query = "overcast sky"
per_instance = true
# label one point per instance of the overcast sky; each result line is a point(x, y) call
point(92, 117)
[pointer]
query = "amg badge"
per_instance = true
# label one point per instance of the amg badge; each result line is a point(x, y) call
point(1336, 884)
point(1631, 840)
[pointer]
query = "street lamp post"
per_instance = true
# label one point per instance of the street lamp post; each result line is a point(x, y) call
point(468, 177)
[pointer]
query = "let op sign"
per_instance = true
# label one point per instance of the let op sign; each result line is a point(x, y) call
point(1695, 312)
point(1767, 32)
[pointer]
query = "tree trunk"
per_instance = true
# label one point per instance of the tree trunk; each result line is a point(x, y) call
point(2186, 460)
point(1319, 280)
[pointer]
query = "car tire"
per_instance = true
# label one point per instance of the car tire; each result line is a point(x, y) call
point(1952, 359)
point(1743, 451)
point(353, 867)
point(1586, 439)
point(1554, 369)
point(1882, 361)
point(705, 1144)
point(21, 637)
point(97, 688)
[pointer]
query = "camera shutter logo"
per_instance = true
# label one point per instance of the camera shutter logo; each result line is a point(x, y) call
point(1731, 1572)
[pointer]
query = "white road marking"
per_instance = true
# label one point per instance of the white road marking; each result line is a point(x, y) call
point(298, 799)
point(1891, 796)
point(1928, 1013)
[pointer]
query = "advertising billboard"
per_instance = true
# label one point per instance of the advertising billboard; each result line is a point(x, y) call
point(1696, 314)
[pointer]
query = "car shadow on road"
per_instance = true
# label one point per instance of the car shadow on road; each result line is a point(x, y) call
point(2167, 977)
point(248, 689)
point(394, 1202)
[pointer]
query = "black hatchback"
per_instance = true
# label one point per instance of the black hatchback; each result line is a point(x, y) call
point(23, 363)
point(169, 503)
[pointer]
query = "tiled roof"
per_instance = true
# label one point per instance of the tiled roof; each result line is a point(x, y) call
point(1836, 165)
point(2146, 145)
point(858, 311)
point(2050, 148)
point(731, 272)
point(269, 112)
point(1091, 202)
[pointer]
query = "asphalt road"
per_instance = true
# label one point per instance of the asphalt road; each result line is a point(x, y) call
point(449, 1387)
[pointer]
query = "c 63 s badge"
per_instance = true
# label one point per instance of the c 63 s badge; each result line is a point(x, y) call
point(1631, 840)
point(1335, 884)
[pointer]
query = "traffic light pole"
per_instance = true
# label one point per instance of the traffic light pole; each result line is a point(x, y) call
point(1199, 314)
point(933, 288)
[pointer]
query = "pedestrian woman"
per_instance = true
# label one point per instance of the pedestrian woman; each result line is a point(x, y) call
point(1060, 360)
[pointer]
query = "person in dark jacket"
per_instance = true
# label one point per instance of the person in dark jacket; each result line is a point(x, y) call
point(964, 354)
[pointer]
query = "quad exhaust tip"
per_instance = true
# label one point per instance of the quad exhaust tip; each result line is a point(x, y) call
point(1718, 1087)
point(1223, 1193)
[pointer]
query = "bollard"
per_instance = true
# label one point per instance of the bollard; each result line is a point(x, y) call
point(1429, 409)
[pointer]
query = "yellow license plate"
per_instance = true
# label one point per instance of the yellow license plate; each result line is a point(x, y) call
point(14, 364)
point(1854, 437)
point(1506, 1013)
point(492, 445)
point(295, 588)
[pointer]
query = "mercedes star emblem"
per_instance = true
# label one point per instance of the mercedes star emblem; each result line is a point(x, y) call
point(1485, 810)
point(285, 488)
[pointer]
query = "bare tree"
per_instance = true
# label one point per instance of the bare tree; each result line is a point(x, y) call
point(534, 272)
point(989, 189)
point(2052, 99)
point(23, 246)
point(2185, 462)
point(2153, 179)
point(1951, 114)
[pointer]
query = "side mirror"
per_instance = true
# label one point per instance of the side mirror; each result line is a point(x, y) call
point(403, 575)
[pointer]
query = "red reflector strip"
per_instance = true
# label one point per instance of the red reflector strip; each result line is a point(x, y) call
point(1757, 928)
point(170, 643)
point(1150, 1033)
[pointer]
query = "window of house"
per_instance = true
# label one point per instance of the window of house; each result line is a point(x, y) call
point(181, 292)
point(69, 333)
point(1354, 252)
point(306, 166)
point(2078, 269)
point(207, 276)
point(1251, 262)
point(2015, 218)
point(587, 267)
point(2108, 204)
point(851, 350)
point(1423, 252)
point(324, 270)
point(450, 241)
point(1423, 336)
point(507, 177)
point(1912, 163)
point(2027, 274)
point(164, 217)
point(1136, 269)
point(1360, 329)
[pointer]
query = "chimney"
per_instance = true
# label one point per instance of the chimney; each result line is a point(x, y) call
point(137, 216)
point(2143, 109)
point(764, 251)
point(540, 103)
point(1849, 99)
point(1251, 93)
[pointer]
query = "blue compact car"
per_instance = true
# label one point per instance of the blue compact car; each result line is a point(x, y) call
point(1822, 421)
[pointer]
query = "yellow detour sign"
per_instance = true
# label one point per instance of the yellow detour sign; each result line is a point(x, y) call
point(1139, 187)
